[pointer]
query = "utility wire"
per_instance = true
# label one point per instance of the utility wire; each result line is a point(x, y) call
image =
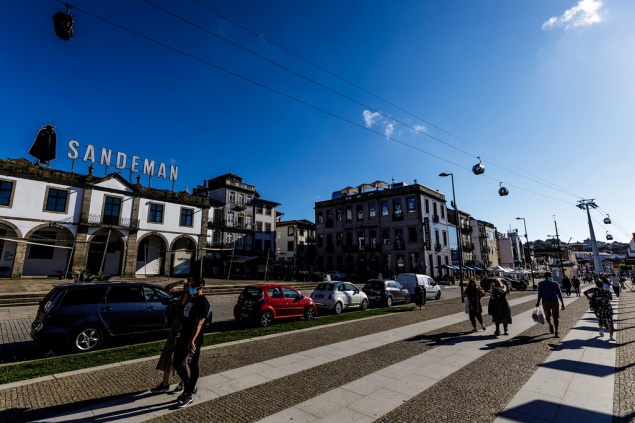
point(283, 94)
point(262, 37)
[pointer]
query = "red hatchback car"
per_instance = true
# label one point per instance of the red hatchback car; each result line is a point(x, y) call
point(265, 302)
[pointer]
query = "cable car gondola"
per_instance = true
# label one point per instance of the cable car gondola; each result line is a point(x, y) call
point(478, 169)
point(63, 24)
point(609, 236)
point(502, 191)
point(607, 220)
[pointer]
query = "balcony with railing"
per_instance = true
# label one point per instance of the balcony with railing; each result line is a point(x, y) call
point(435, 218)
point(99, 220)
point(437, 248)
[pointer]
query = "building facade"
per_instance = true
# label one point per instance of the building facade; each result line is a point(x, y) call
point(58, 222)
point(485, 244)
point(400, 228)
point(295, 244)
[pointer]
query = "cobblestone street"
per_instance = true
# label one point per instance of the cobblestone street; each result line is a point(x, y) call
point(308, 375)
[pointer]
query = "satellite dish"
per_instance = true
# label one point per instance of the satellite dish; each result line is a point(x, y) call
point(478, 169)
point(43, 148)
point(63, 24)
point(502, 191)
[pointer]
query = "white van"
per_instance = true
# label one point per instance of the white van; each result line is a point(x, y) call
point(410, 280)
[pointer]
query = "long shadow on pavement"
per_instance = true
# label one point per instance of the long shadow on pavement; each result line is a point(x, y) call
point(532, 411)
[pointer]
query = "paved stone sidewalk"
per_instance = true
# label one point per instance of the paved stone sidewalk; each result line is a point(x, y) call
point(390, 366)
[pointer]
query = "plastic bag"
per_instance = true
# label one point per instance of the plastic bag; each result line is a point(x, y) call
point(538, 316)
point(466, 301)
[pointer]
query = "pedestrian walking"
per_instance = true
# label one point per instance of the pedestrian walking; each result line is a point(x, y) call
point(566, 285)
point(173, 320)
point(600, 302)
point(576, 285)
point(474, 294)
point(549, 293)
point(615, 284)
point(498, 306)
point(605, 282)
point(190, 340)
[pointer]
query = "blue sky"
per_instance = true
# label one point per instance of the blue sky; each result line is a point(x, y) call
point(541, 90)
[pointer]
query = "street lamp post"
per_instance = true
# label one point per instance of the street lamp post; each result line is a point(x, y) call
point(531, 261)
point(458, 237)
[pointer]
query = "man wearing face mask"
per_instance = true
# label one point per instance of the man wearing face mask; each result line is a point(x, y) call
point(549, 293)
point(190, 340)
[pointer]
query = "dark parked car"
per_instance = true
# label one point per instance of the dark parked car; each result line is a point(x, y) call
point(386, 292)
point(80, 316)
point(518, 285)
point(265, 302)
point(486, 282)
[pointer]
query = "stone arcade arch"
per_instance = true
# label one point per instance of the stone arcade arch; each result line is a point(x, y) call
point(48, 250)
point(114, 252)
point(9, 232)
point(183, 256)
point(151, 254)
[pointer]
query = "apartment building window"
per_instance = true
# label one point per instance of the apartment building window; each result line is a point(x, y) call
point(434, 209)
point(56, 200)
point(329, 240)
point(360, 212)
point(187, 217)
point(248, 241)
point(396, 204)
point(427, 206)
point(371, 210)
point(229, 238)
point(431, 262)
point(436, 236)
point(249, 200)
point(349, 238)
point(230, 219)
point(442, 207)
point(384, 208)
point(385, 236)
point(349, 214)
point(241, 199)
point(361, 241)
point(218, 216)
point(290, 246)
point(267, 227)
point(445, 239)
point(399, 238)
point(338, 238)
point(259, 208)
point(329, 262)
point(290, 231)
point(412, 234)
point(411, 205)
point(372, 235)
point(156, 213)
point(320, 217)
point(268, 210)
point(414, 260)
point(112, 210)
point(6, 193)
point(232, 197)
point(248, 220)
point(320, 241)
point(338, 215)
point(258, 226)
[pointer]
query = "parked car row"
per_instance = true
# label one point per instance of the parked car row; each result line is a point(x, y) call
point(80, 316)
point(516, 284)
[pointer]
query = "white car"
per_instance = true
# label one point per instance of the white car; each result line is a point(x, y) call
point(410, 280)
point(337, 296)
point(337, 275)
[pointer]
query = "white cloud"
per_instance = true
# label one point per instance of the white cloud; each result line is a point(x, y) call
point(586, 12)
point(419, 128)
point(370, 118)
point(390, 128)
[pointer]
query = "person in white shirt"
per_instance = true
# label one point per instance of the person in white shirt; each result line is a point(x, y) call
point(615, 283)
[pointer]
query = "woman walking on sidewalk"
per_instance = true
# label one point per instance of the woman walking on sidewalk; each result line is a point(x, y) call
point(173, 320)
point(499, 307)
point(600, 301)
point(576, 285)
point(474, 294)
